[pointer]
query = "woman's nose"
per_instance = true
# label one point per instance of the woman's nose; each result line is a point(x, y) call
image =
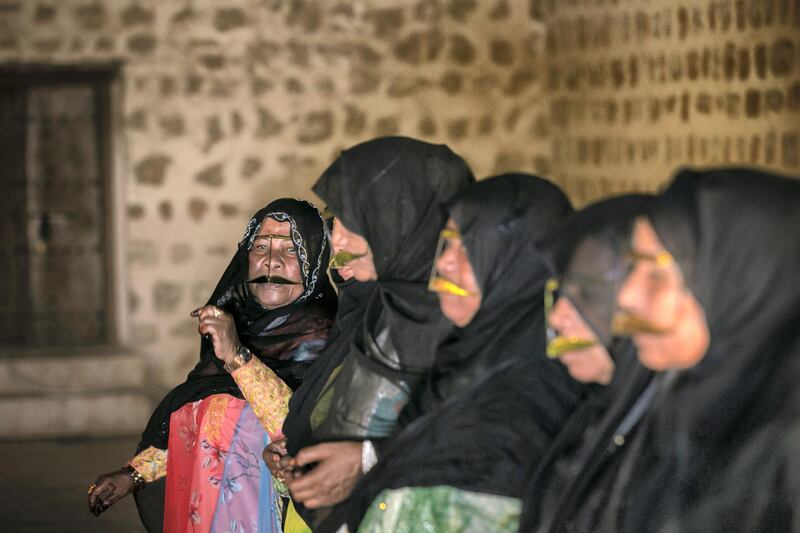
point(558, 316)
point(447, 260)
point(627, 298)
point(338, 237)
point(276, 261)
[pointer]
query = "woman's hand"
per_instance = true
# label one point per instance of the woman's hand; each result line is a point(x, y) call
point(109, 489)
point(219, 324)
point(272, 457)
point(332, 480)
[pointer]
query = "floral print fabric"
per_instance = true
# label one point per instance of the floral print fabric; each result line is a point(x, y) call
point(244, 487)
point(216, 480)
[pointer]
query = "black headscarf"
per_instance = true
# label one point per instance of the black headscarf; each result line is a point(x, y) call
point(506, 401)
point(286, 339)
point(569, 489)
point(715, 459)
point(504, 223)
point(391, 191)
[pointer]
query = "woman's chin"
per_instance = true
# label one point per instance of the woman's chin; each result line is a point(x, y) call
point(454, 311)
point(345, 273)
point(272, 296)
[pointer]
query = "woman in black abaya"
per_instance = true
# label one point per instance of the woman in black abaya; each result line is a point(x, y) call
point(570, 488)
point(494, 401)
point(259, 339)
point(387, 195)
point(716, 282)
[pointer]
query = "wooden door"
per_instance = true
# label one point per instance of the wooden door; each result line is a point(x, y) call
point(55, 273)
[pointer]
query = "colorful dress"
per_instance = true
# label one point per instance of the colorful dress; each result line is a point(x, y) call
point(215, 474)
point(208, 433)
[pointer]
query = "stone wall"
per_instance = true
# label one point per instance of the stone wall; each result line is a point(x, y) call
point(225, 105)
point(637, 88)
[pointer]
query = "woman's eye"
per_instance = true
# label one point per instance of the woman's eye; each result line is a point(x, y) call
point(291, 250)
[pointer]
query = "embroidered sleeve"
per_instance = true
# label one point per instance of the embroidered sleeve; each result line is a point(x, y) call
point(151, 463)
point(266, 393)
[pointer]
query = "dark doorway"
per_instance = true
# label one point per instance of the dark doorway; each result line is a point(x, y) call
point(54, 178)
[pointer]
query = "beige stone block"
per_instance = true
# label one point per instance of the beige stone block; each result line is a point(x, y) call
point(91, 415)
point(71, 374)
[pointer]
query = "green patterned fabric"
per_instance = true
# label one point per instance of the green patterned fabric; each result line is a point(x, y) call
point(442, 508)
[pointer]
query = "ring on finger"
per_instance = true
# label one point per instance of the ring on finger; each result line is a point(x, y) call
point(92, 487)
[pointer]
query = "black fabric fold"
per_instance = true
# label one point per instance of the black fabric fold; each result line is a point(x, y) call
point(571, 489)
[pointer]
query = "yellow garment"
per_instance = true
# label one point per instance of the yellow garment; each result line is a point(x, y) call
point(151, 463)
point(266, 393)
point(294, 523)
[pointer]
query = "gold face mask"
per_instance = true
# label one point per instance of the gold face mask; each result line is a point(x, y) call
point(341, 259)
point(271, 245)
point(558, 345)
point(437, 282)
point(624, 323)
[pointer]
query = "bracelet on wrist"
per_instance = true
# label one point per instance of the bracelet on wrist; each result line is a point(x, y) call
point(368, 456)
point(243, 355)
point(138, 479)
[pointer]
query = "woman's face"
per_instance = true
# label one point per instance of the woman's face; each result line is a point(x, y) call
point(453, 264)
point(344, 240)
point(676, 334)
point(275, 257)
point(587, 365)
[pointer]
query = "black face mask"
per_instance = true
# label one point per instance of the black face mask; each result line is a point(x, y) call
point(591, 252)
